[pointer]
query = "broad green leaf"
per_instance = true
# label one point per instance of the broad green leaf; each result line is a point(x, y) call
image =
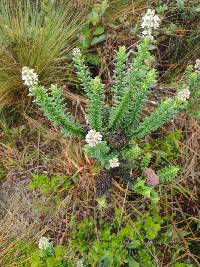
point(99, 39)
point(94, 18)
point(35, 261)
point(92, 59)
point(86, 31)
point(134, 244)
point(99, 30)
point(133, 263)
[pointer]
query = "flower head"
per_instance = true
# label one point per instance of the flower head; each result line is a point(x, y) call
point(102, 204)
point(197, 66)
point(79, 263)
point(29, 76)
point(152, 178)
point(150, 21)
point(183, 95)
point(114, 162)
point(76, 52)
point(44, 243)
point(93, 138)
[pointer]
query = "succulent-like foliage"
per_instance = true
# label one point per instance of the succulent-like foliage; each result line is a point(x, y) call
point(119, 75)
point(141, 77)
point(113, 131)
point(193, 83)
point(82, 71)
point(165, 111)
point(54, 108)
point(168, 173)
point(95, 106)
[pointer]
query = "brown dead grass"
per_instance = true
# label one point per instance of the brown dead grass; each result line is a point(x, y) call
point(26, 215)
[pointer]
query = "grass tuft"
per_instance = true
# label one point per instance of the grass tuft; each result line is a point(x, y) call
point(37, 35)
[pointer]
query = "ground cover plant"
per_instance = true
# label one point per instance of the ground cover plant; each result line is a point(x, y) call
point(112, 177)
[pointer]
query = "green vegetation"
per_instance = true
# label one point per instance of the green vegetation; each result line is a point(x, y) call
point(118, 124)
point(99, 166)
point(49, 185)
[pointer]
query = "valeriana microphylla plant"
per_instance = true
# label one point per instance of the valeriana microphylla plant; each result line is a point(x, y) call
point(46, 247)
point(113, 130)
point(150, 22)
point(48, 255)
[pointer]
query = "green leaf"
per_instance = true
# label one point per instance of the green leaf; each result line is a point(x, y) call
point(59, 251)
point(86, 31)
point(92, 59)
point(104, 6)
point(84, 42)
point(132, 263)
point(99, 30)
point(94, 18)
point(35, 261)
point(99, 39)
point(105, 234)
point(51, 262)
point(134, 244)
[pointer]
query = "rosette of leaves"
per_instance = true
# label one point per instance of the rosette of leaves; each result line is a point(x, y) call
point(121, 123)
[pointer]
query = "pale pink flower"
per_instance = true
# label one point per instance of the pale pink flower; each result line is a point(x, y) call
point(151, 177)
point(93, 138)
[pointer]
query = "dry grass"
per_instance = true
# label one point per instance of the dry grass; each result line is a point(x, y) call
point(30, 215)
point(40, 37)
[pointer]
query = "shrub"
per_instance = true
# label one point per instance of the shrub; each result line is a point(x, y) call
point(118, 243)
point(107, 244)
point(93, 31)
point(110, 130)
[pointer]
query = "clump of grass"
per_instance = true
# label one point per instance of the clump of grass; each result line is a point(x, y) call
point(37, 35)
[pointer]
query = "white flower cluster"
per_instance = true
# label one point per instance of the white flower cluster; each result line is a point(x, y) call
point(114, 162)
point(44, 243)
point(102, 204)
point(183, 95)
point(76, 52)
point(197, 66)
point(29, 76)
point(93, 138)
point(150, 21)
point(79, 263)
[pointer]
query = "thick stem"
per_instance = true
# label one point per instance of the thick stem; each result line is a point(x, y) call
point(104, 190)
